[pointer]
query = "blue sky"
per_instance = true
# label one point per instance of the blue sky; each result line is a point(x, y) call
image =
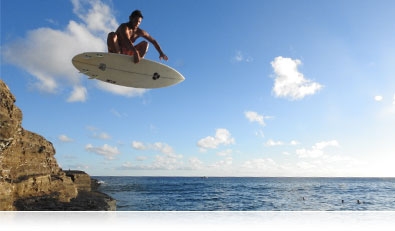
point(273, 88)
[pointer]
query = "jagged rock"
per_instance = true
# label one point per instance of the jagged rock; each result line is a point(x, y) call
point(80, 179)
point(86, 200)
point(30, 178)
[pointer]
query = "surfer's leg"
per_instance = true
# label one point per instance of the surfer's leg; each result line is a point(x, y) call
point(142, 48)
point(112, 43)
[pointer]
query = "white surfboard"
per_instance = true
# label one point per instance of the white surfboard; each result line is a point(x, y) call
point(121, 70)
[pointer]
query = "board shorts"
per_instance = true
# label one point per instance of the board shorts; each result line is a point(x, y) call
point(127, 52)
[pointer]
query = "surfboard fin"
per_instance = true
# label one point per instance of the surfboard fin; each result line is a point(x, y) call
point(84, 71)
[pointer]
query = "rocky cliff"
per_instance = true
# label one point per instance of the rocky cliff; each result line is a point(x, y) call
point(30, 178)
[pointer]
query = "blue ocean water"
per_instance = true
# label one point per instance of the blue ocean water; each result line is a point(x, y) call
point(249, 193)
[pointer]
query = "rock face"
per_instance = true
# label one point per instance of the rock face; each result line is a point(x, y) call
point(29, 173)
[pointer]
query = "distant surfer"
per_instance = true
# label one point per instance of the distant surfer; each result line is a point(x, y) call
point(122, 40)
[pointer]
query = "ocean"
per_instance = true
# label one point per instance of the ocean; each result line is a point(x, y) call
point(249, 193)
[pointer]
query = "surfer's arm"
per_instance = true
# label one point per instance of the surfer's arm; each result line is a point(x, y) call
point(155, 43)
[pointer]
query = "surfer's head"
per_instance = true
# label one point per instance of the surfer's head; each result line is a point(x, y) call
point(135, 19)
point(135, 14)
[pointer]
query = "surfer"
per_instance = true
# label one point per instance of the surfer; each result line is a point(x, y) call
point(122, 40)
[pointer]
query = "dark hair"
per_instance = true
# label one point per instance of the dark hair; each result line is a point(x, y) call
point(134, 14)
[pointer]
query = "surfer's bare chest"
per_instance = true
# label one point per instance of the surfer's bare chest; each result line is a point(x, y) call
point(133, 34)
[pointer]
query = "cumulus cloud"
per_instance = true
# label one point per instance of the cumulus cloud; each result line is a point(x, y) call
point(222, 136)
point(194, 163)
point(163, 148)
point(157, 146)
point(228, 161)
point(79, 94)
point(317, 150)
point(46, 53)
point(255, 117)
point(65, 139)
point(166, 160)
point(97, 16)
point(161, 162)
point(106, 150)
point(289, 82)
point(138, 145)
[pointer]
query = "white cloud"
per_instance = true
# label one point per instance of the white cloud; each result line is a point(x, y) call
point(141, 158)
point(97, 134)
point(294, 142)
point(65, 139)
point(227, 162)
point(255, 117)
point(167, 160)
point(378, 98)
point(289, 82)
point(101, 136)
point(120, 90)
point(79, 94)
point(130, 166)
point(317, 150)
point(157, 146)
point(163, 148)
point(106, 150)
point(388, 109)
point(226, 152)
point(138, 145)
point(324, 144)
point(97, 16)
point(222, 136)
point(272, 143)
point(241, 57)
point(48, 57)
point(261, 167)
point(194, 163)
point(118, 114)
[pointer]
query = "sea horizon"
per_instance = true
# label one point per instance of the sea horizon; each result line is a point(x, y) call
point(186, 193)
point(93, 176)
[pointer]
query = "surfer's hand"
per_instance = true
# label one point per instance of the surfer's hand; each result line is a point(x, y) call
point(163, 56)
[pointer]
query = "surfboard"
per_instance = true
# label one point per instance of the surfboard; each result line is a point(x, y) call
point(121, 70)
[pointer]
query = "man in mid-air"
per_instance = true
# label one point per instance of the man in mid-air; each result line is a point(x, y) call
point(122, 40)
